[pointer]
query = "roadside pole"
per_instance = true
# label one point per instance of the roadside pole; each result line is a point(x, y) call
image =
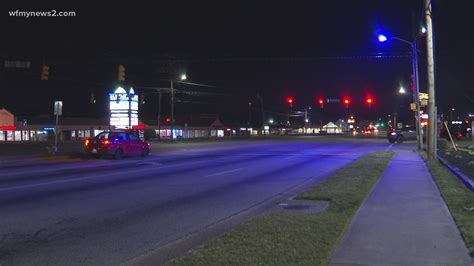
point(305, 118)
point(416, 94)
point(172, 110)
point(129, 111)
point(159, 114)
point(432, 135)
point(58, 110)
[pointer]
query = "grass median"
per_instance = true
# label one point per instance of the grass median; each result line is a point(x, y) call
point(294, 238)
point(459, 199)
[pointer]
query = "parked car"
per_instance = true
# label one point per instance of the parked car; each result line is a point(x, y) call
point(116, 143)
point(399, 136)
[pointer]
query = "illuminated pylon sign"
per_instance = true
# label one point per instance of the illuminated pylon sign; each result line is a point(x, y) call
point(123, 108)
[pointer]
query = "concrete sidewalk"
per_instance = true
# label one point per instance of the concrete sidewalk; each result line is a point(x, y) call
point(404, 221)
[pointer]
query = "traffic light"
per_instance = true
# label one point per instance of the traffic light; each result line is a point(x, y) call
point(142, 99)
point(93, 98)
point(369, 100)
point(321, 102)
point(290, 101)
point(168, 120)
point(45, 72)
point(121, 72)
point(346, 101)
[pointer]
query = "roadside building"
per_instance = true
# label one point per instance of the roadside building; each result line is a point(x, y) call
point(41, 128)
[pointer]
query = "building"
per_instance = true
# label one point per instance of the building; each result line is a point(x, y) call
point(41, 128)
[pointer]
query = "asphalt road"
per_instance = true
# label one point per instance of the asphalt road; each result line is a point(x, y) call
point(99, 212)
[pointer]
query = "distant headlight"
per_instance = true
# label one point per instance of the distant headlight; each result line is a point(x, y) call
point(393, 133)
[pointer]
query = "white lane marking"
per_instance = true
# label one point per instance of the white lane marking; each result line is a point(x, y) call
point(46, 169)
point(131, 171)
point(225, 172)
point(47, 183)
point(292, 156)
point(389, 147)
point(149, 163)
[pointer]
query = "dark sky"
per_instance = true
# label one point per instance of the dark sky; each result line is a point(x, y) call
point(307, 49)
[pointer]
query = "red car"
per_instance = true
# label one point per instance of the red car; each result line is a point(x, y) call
point(117, 144)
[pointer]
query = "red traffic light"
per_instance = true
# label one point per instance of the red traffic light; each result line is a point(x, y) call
point(290, 100)
point(321, 101)
point(346, 101)
point(168, 120)
point(369, 100)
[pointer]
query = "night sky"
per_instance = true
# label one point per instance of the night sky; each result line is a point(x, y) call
point(306, 49)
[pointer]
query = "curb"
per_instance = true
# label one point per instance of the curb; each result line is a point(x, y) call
point(468, 182)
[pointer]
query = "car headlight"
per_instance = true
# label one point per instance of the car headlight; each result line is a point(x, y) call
point(393, 133)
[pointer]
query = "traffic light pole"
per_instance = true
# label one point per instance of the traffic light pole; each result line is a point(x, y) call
point(416, 94)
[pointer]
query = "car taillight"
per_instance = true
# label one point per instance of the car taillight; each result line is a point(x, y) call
point(105, 142)
point(87, 142)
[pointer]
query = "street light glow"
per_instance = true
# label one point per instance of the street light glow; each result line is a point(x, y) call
point(423, 29)
point(183, 77)
point(382, 38)
point(402, 90)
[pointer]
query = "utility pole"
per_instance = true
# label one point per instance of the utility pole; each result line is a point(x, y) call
point(432, 134)
point(129, 111)
point(172, 109)
point(159, 114)
point(262, 113)
point(416, 93)
point(305, 118)
point(395, 120)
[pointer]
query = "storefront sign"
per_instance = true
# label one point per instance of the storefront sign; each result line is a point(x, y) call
point(123, 108)
point(5, 128)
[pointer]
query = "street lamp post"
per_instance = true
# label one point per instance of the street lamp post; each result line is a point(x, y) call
point(159, 114)
point(182, 78)
point(416, 92)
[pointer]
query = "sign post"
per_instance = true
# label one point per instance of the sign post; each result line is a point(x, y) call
point(58, 110)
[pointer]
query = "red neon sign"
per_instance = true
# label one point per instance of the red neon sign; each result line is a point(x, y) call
point(138, 127)
point(7, 127)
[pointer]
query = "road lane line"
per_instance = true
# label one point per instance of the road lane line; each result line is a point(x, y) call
point(131, 171)
point(47, 183)
point(225, 172)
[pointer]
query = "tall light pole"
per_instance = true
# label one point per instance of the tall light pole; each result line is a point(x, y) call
point(159, 114)
point(182, 77)
point(262, 111)
point(172, 110)
point(432, 134)
point(416, 92)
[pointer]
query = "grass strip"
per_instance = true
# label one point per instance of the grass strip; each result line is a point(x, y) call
point(458, 198)
point(289, 238)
